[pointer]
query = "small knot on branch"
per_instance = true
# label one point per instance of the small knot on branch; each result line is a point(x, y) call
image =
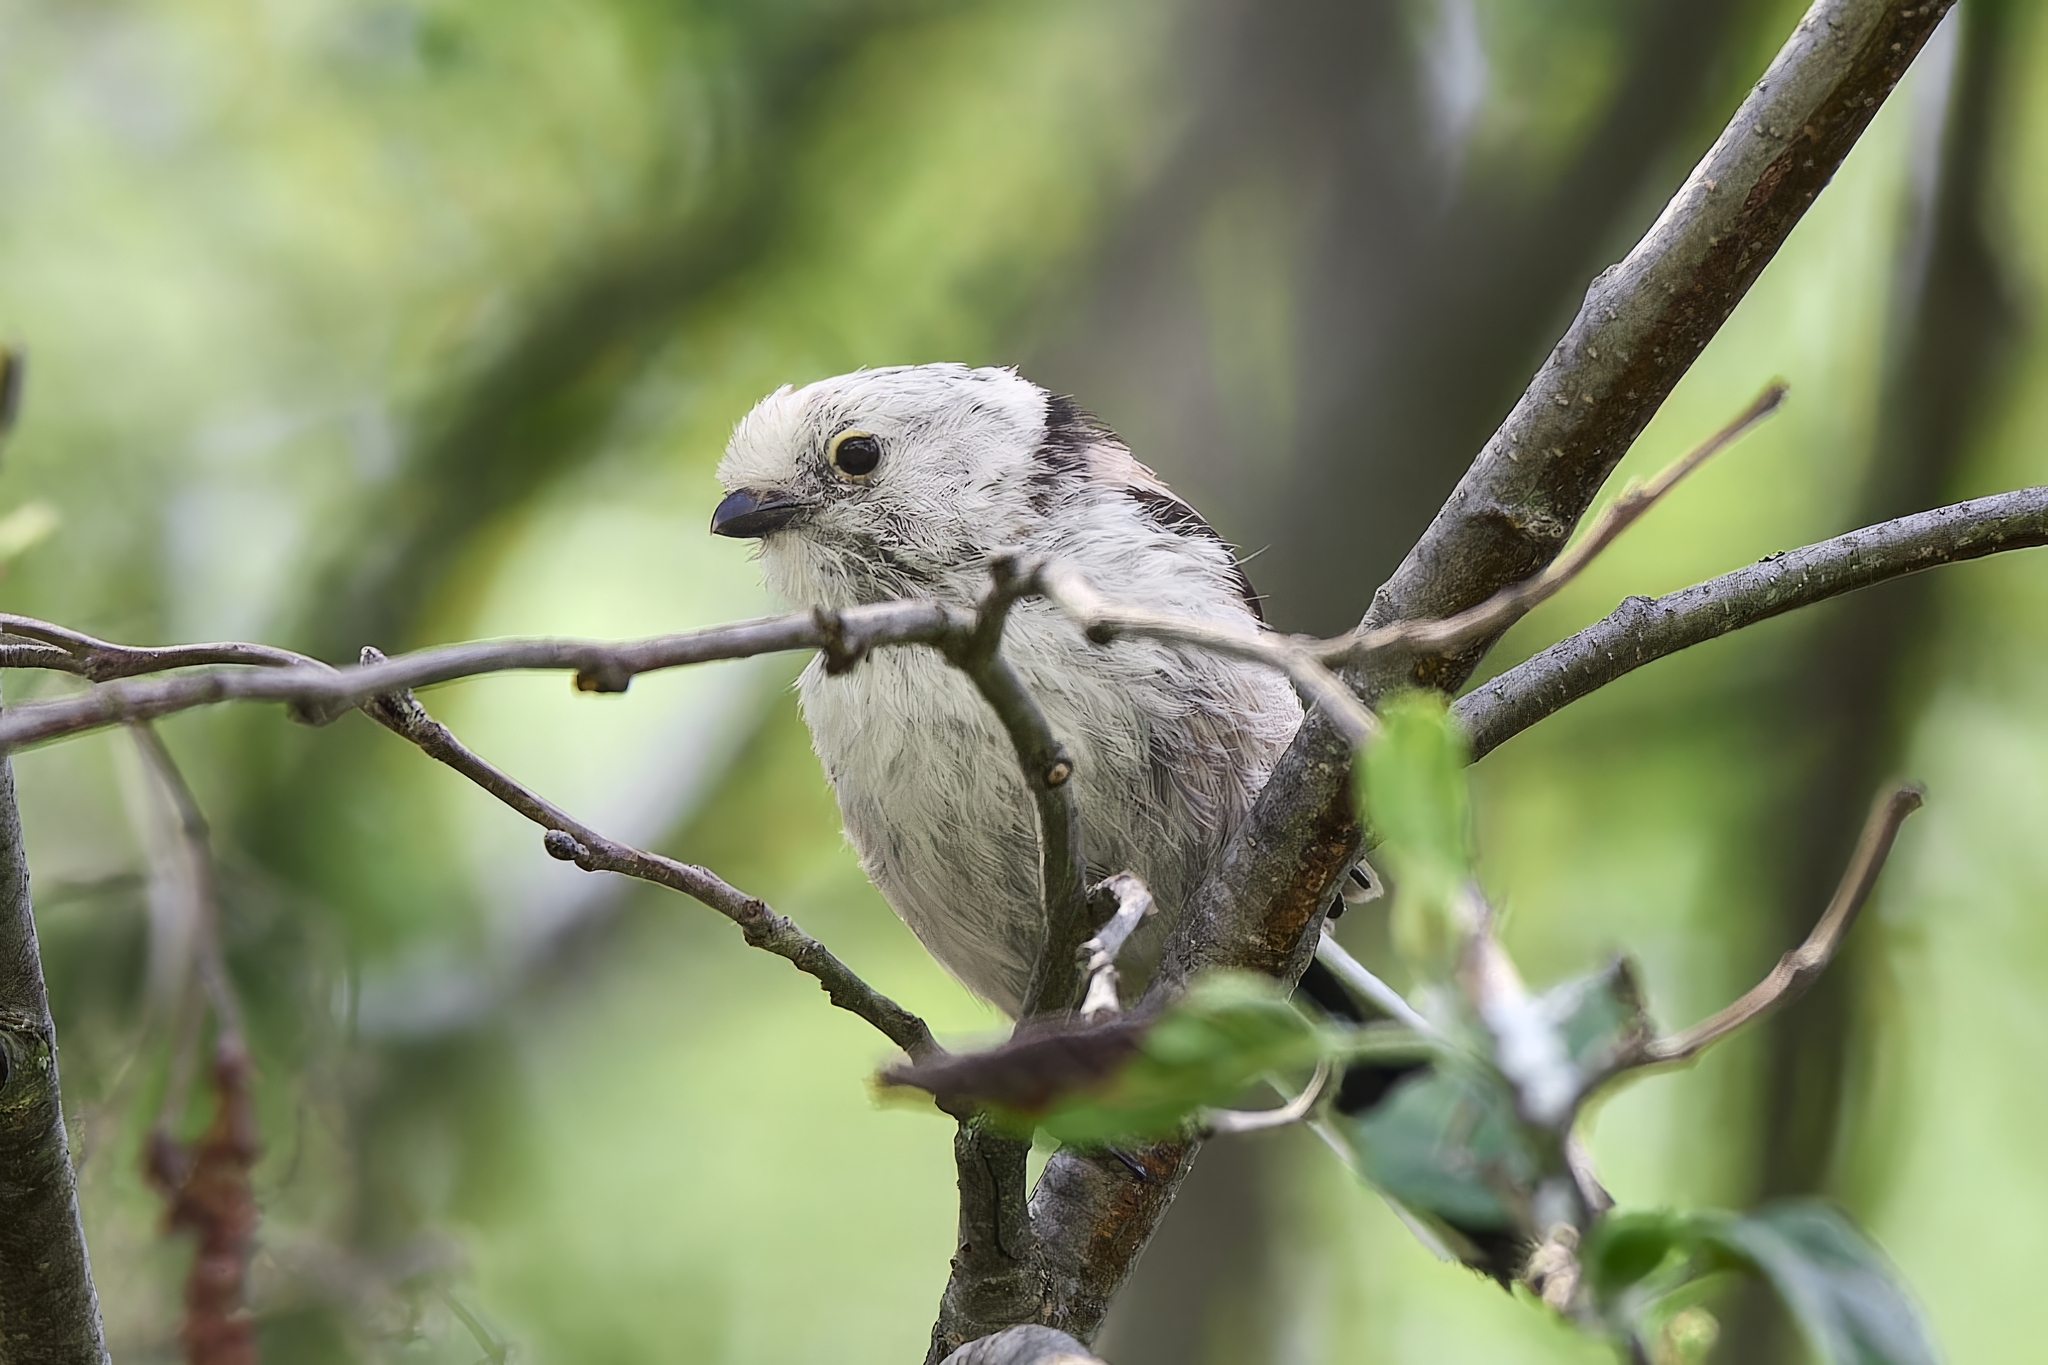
point(1059, 770)
point(762, 926)
point(400, 710)
point(607, 676)
point(562, 845)
point(1014, 573)
point(841, 650)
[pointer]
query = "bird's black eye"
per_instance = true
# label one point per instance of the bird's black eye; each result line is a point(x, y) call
point(854, 453)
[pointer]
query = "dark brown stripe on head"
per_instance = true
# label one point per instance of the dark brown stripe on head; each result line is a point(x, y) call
point(1061, 459)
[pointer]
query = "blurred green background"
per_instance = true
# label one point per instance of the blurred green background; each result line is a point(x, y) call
point(375, 321)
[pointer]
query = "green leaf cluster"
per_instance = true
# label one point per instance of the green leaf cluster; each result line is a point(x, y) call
point(1847, 1299)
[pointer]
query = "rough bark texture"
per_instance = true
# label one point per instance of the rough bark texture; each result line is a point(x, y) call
point(1093, 1216)
point(995, 1280)
point(1024, 1346)
point(49, 1314)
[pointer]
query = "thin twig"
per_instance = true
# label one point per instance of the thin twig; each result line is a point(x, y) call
point(1104, 621)
point(103, 661)
point(1360, 978)
point(1643, 629)
point(572, 841)
point(209, 957)
point(1798, 969)
point(1231, 1121)
point(1048, 772)
point(1098, 954)
point(205, 1185)
point(1448, 635)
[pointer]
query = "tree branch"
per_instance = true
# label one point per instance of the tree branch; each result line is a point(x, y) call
point(1642, 629)
point(49, 1311)
point(995, 1280)
point(1048, 771)
point(1493, 616)
point(1644, 321)
point(205, 1186)
point(1643, 324)
point(1799, 968)
point(572, 841)
point(320, 692)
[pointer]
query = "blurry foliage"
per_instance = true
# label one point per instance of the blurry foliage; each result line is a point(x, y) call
point(393, 322)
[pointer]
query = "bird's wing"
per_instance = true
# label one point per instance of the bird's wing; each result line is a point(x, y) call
point(1164, 509)
point(1080, 447)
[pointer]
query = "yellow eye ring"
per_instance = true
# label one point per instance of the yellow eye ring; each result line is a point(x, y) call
point(854, 453)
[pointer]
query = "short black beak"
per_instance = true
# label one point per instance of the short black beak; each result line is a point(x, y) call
point(749, 515)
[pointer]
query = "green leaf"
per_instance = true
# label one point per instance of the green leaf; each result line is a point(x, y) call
point(1627, 1251)
point(1448, 1142)
point(1838, 1286)
point(1844, 1294)
point(1229, 1030)
point(1411, 784)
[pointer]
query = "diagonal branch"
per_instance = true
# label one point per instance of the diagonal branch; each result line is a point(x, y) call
point(572, 841)
point(1799, 968)
point(1511, 604)
point(1641, 629)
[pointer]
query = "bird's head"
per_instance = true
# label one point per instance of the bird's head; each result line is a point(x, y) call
point(886, 483)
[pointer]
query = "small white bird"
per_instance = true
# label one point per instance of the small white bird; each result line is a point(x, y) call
point(903, 482)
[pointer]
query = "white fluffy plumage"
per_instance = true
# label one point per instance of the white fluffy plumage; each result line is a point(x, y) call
point(1170, 745)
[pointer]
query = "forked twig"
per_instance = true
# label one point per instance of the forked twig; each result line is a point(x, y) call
point(1232, 1121)
point(1798, 969)
point(1450, 634)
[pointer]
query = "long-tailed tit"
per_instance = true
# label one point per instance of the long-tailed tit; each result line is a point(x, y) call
point(904, 482)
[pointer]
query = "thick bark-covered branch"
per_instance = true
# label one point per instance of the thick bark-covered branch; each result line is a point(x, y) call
point(1642, 629)
point(995, 1280)
point(49, 1312)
